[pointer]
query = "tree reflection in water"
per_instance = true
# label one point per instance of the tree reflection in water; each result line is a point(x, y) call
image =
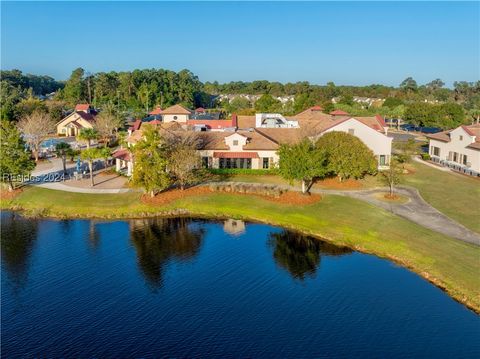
point(158, 241)
point(17, 242)
point(301, 255)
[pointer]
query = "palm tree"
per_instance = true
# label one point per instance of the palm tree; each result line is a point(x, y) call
point(63, 149)
point(90, 155)
point(87, 135)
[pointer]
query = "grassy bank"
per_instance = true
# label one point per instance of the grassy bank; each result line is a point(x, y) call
point(448, 263)
point(455, 195)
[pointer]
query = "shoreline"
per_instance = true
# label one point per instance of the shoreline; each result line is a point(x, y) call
point(178, 211)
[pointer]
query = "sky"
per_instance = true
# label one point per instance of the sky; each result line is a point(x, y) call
point(355, 43)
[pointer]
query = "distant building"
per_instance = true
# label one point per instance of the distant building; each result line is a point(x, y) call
point(82, 117)
point(458, 149)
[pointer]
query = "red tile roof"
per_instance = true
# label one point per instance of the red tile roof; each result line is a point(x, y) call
point(234, 120)
point(86, 116)
point(136, 125)
point(175, 110)
point(338, 113)
point(156, 111)
point(381, 120)
point(155, 122)
point(212, 124)
point(316, 108)
point(82, 107)
point(122, 154)
point(235, 154)
point(200, 109)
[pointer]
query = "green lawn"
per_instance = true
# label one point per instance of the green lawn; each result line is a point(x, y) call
point(455, 195)
point(449, 263)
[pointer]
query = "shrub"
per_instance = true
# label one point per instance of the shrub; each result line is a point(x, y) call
point(425, 157)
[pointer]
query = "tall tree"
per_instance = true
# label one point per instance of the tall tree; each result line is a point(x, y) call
point(88, 135)
point(74, 91)
point(151, 162)
point(303, 162)
point(184, 161)
point(63, 149)
point(267, 103)
point(409, 85)
point(15, 161)
point(35, 128)
point(106, 124)
point(346, 155)
point(90, 155)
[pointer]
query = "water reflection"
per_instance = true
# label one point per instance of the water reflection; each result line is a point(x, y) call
point(301, 255)
point(18, 235)
point(234, 227)
point(158, 241)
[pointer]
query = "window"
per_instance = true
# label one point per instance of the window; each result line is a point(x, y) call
point(266, 162)
point(235, 142)
point(175, 117)
point(435, 151)
point(455, 157)
point(205, 162)
point(461, 138)
point(235, 163)
point(351, 131)
point(465, 160)
point(382, 160)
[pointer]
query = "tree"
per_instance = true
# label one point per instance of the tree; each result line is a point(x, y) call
point(392, 176)
point(418, 113)
point(63, 149)
point(106, 123)
point(328, 107)
point(15, 161)
point(90, 155)
point(303, 162)
point(392, 102)
point(451, 115)
point(35, 128)
point(184, 161)
point(409, 85)
point(475, 115)
point(346, 155)
point(74, 91)
point(88, 135)
point(407, 149)
point(105, 153)
point(151, 163)
point(267, 103)
point(435, 84)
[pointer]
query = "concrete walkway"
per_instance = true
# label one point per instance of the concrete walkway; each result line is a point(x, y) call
point(416, 209)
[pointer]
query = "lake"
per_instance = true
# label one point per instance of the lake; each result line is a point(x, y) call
point(150, 288)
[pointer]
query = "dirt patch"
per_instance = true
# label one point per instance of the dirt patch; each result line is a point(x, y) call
point(395, 198)
point(334, 183)
point(7, 195)
point(291, 198)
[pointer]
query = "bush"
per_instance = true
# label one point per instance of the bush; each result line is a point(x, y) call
point(242, 171)
point(425, 157)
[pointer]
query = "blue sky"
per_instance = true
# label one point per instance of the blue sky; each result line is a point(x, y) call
point(345, 42)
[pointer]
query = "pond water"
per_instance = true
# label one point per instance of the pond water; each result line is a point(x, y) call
point(194, 288)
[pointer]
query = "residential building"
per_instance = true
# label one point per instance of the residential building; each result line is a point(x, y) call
point(82, 117)
point(458, 149)
point(176, 113)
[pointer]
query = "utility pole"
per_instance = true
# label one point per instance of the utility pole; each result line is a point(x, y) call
point(88, 87)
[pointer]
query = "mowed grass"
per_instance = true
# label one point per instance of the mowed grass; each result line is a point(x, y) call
point(455, 195)
point(449, 263)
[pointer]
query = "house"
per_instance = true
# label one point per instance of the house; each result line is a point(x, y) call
point(82, 117)
point(252, 142)
point(176, 113)
point(458, 149)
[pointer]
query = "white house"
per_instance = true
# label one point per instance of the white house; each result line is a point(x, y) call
point(458, 149)
point(176, 113)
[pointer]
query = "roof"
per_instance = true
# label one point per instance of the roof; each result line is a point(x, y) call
point(136, 125)
point(175, 110)
point(86, 116)
point(440, 136)
point(283, 135)
point(82, 107)
point(212, 124)
point(235, 154)
point(339, 113)
point(199, 109)
point(472, 130)
point(316, 108)
point(156, 111)
point(122, 154)
point(244, 122)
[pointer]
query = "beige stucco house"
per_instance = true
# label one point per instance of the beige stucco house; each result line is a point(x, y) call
point(176, 113)
point(82, 117)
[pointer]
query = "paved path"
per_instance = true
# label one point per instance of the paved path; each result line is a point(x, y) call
point(51, 178)
point(416, 210)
